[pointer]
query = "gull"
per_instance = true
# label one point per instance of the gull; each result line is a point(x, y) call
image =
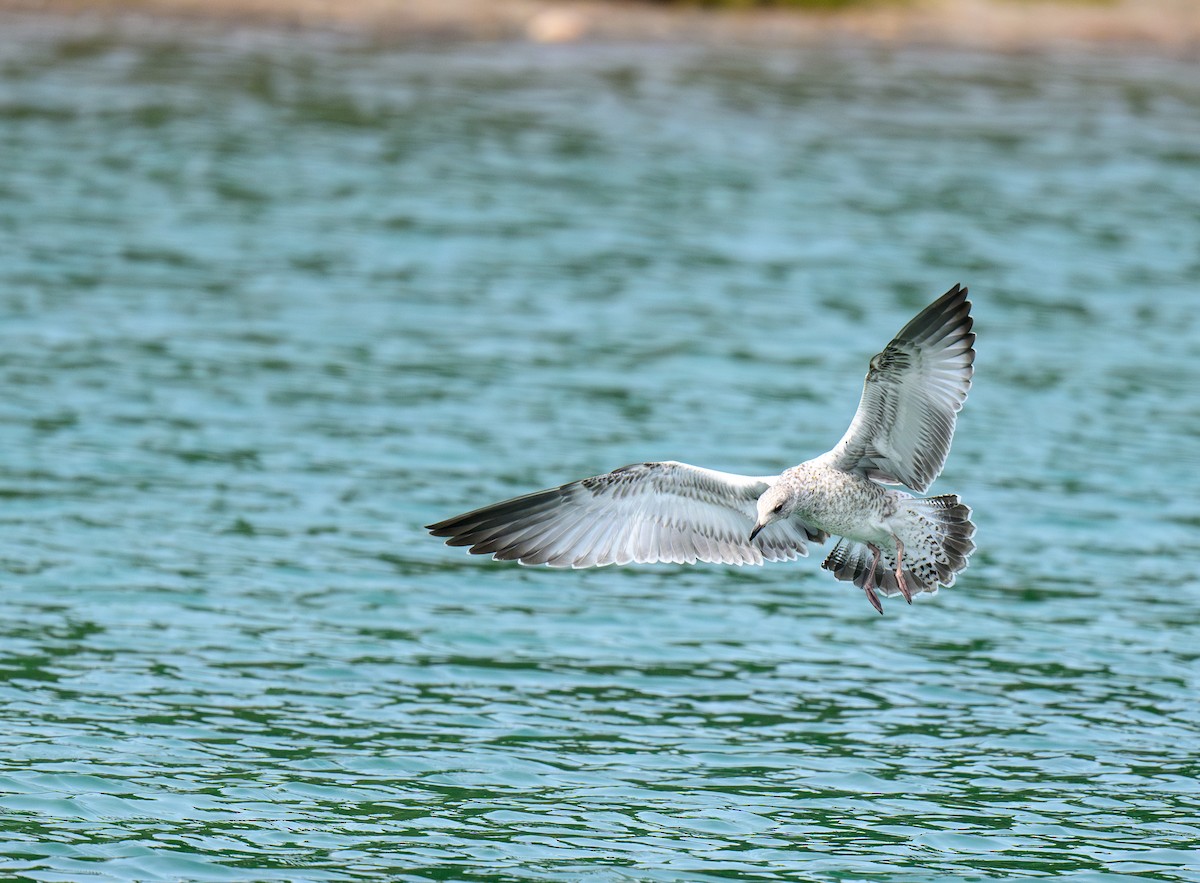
point(889, 541)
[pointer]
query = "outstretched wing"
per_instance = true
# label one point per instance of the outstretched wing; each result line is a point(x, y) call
point(913, 393)
point(644, 513)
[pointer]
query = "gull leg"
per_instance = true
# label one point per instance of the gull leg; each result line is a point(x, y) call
point(904, 590)
point(869, 582)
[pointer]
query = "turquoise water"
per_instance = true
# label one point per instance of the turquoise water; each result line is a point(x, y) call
point(271, 303)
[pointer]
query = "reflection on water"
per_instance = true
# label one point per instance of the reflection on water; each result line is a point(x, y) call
point(272, 303)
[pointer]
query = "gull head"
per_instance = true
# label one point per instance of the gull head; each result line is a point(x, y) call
point(776, 502)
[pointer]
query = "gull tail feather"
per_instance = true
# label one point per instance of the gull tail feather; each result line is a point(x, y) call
point(937, 535)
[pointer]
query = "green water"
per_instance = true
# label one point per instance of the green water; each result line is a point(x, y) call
point(270, 303)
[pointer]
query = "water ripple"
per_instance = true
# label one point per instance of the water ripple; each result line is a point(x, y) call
point(271, 303)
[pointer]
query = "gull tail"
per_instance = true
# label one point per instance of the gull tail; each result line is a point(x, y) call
point(937, 536)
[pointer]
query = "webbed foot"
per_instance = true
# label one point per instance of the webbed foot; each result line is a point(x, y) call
point(869, 582)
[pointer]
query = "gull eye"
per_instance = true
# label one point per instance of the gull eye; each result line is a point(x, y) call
point(779, 508)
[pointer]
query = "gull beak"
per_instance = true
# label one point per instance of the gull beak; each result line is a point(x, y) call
point(754, 532)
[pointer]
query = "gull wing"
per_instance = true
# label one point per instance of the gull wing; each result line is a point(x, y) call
point(643, 513)
point(913, 393)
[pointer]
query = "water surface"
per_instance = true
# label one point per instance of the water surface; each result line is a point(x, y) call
point(271, 303)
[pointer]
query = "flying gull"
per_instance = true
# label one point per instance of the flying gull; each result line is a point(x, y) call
point(889, 541)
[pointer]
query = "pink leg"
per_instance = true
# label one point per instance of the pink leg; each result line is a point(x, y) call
point(904, 590)
point(869, 583)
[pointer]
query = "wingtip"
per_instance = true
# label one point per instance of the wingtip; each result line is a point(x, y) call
point(950, 312)
point(955, 298)
point(956, 295)
point(447, 528)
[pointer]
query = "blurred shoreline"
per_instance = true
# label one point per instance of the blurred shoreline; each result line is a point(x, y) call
point(1002, 25)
